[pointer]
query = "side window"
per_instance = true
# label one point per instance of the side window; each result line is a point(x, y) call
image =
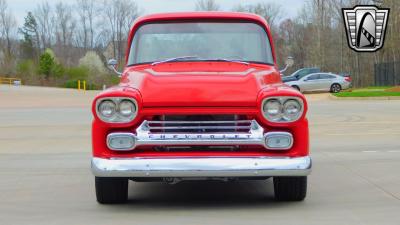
point(313, 77)
point(302, 73)
point(326, 76)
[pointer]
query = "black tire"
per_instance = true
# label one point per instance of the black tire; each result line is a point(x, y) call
point(336, 88)
point(296, 87)
point(290, 188)
point(110, 190)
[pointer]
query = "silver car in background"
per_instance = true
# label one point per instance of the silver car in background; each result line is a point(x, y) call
point(321, 82)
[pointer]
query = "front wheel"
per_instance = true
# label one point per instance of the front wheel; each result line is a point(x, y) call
point(290, 188)
point(110, 190)
point(336, 88)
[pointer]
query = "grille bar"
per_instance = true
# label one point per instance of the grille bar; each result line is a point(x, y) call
point(199, 127)
point(199, 122)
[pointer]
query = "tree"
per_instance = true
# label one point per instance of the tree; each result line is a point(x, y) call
point(48, 65)
point(30, 42)
point(44, 19)
point(93, 63)
point(7, 33)
point(272, 12)
point(120, 15)
point(207, 5)
point(64, 31)
point(87, 16)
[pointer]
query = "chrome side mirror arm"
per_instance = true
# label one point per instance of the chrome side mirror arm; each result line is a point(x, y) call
point(288, 63)
point(112, 64)
point(284, 69)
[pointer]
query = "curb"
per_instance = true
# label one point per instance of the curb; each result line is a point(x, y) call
point(332, 97)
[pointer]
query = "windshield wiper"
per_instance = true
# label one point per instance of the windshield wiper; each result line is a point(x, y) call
point(175, 59)
point(182, 58)
point(231, 60)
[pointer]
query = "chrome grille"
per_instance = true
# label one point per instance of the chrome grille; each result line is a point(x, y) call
point(199, 125)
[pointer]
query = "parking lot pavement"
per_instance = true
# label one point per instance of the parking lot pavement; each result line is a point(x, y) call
point(45, 172)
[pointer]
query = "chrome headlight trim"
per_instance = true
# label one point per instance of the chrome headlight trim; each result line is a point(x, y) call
point(282, 100)
point(279, 134)
point(120, 135)
point(117, 117)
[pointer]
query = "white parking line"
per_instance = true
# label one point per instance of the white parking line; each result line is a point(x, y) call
point(392, 151)
point(388, 151)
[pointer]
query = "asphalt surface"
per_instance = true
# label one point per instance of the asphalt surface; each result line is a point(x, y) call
point(45, 173)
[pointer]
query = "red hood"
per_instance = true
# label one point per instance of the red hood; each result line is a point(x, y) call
point(199, 83)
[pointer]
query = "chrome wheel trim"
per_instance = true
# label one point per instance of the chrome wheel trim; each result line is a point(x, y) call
point(335, 88)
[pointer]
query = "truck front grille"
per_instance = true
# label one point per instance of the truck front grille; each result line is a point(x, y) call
point(199, 124)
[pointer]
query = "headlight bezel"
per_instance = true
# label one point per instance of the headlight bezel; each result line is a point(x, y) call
point(117, 117)
point(282, 100)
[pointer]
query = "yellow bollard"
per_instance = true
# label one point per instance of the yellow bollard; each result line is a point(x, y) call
point(79, 85)
point(84, 85)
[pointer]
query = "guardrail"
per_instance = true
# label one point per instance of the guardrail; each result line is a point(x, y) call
point(10, 81)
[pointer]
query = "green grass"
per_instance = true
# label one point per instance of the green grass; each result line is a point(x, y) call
point(374, 91)
point(366, 94)
point(378, 87)
point(369, 89)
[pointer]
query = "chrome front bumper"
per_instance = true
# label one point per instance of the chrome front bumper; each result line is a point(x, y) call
point(202, 167)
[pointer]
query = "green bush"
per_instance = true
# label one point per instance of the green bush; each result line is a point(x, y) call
point(74, 84)
point(46, 63)
point(49, 66)
point(26, 68)
point(27, 71)
point(71, 84)
point(81, 73)
point(77, 73)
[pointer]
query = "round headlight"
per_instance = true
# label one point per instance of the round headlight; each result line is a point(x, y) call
point(127, 108)
point(291, 110)
point(107, 108)
point(272, 110)
point(116, 109)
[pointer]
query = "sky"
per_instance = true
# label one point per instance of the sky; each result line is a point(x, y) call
point(290, 7)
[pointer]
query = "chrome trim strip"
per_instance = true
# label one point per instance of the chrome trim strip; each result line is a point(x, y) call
point(198, 122)
point(202, 167)
point(156, 73)
point(198, 127)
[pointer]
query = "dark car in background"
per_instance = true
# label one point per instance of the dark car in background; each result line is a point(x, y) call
point(300, 74)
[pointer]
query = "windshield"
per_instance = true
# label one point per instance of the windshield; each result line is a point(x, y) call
point(242, 41)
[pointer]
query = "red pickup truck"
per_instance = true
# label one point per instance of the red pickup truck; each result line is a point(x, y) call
point(200, 98)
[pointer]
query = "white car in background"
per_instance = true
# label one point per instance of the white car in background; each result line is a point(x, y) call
point(321, 82)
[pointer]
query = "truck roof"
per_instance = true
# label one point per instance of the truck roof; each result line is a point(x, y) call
point(201, 15)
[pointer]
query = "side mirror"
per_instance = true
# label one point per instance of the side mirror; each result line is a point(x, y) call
point(112, 64)
point(288, 63)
